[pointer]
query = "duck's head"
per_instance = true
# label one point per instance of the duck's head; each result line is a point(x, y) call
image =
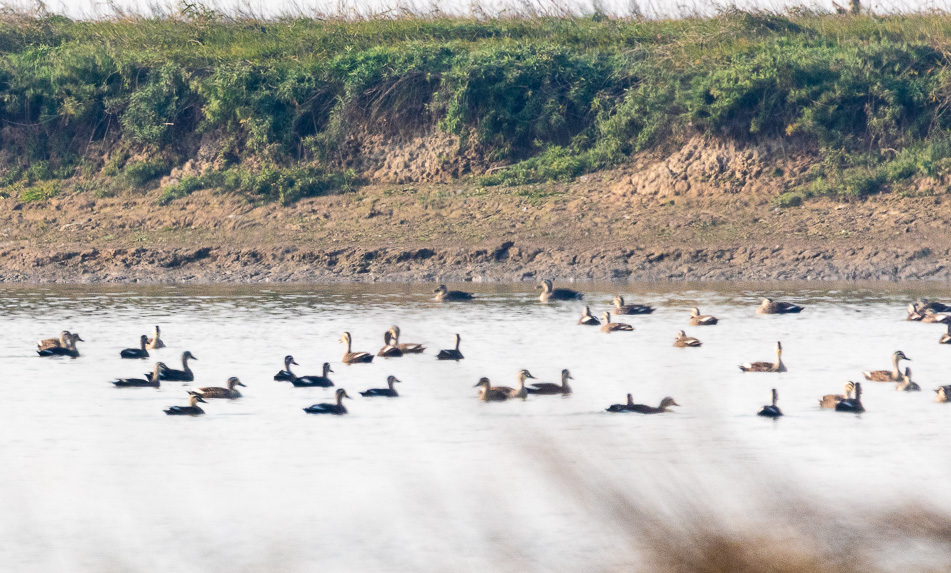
point(345, 337)
point(667, 402)
point(524, 375)
point(587, 311)
point(157, 330)
point(143, 339)
point(392, 380)
point(341, 394)
point(441, 289)
point(565, 375)
point(630, 399)
point(326, 368)
point(618, 300)
point(288, 360)
point(76, 338)
point(194, 398)
point(160, 367)
point(545, 285)
point(766, 301)
point(395, 331)
point(606, 316)
point(849, 388)
point(779, 347)
point(775, 395)
point(681, 334)
point(233, 381)
point(188, 355)
point(694, 311)
point(482, 382)
point(899, 355)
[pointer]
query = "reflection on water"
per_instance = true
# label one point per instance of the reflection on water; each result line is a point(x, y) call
point(96, 478)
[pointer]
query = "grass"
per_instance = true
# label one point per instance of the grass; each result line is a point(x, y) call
point(545, 97)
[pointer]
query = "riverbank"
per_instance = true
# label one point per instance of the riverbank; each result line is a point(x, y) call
point(596, 228)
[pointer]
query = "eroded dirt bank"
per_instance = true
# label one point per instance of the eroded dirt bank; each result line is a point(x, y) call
point(707, 212)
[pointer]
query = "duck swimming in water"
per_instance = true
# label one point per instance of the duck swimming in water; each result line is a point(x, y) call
point(405, 347)
point(445, 295)
point(830, 400)
point(151, 379)
point(337, 409)
point(389, 349)
point(155, 342)
point(314, 381)
point(68, 350)
point(136, 352)
point(389, 392)
point(943, 394)
point(521, 392)
point(587, 319)
point(644, 409)
point(609, 326)
point(548, 388)
point(549, 293)
point(217, 392)
point(771, 410)
point(452, 353)
point(777, 366)
point(906, 384)
point(489, 393)
point(621, 308)
point(191, 409)
point(62, 341)
point(894, 375)
point(286, 375)
point(697, 319)
point(768, 306)
point(852, 404)
point(183, 375)
point(350, 357)
point(684, 341)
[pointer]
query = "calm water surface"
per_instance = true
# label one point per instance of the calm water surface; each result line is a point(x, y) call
point(96, 478)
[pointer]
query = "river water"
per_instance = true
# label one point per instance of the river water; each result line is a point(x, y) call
point(96, 478)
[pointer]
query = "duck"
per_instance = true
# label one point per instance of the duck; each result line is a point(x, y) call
point(389, 350)
point(68, 350)
point(588, 319)
point(852, 404)
point(777, 366)
point(321, 381)
point(445, 295)
point(913, 314)
point(830, 400)
point(452, 353)
point(946, 337)
point(337, 409)
point(609, 326)
point(389, 392)
point(549, 388)
point(218, 392)
point(684, 341)
point(697, 319)
point(286, 375)
point(61, 341)
point(183, 375)
point(893, 375)
point(768, 306)
point(621, 407)
point(906, 384)
point(520, 392)
point(645, 409)
point(151, 379)
point(549, 293)
point(350, 357)
point(405, 347)
point(621, 308)
point(137, 352)
point(771, 410)
point(489, 393)
point(191, 409)
point(943, 394)
point(931, 317)
point(155, 342)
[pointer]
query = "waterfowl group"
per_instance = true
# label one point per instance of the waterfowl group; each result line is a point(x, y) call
point(852, 404)
point(405, 347)
point(831, 400)
point(63, 346)
point(664, 406)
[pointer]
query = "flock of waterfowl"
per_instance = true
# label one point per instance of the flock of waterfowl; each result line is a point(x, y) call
point(849, 401)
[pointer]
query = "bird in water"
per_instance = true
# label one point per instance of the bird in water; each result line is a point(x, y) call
point(191, 409)
point(445, 295)
point(140, 352)
point(322, 381)
point(388, 392)
point(771, 410)
point(217, 392)
point(548, 388)
point(151, 379)
point(768, 306)
point(684, 341)
point(451, 353)
point(68, 350)
point(337, 409)
point(549, 293)
point(777, 366)
point(183, 375)
point(621, 407)
point(286, 375)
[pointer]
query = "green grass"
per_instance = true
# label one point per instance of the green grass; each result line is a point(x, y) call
point(551, 97)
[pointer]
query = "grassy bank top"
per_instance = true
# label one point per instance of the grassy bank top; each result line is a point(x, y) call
point(286, 103)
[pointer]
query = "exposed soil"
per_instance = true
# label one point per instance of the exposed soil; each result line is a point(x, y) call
point(705, 212)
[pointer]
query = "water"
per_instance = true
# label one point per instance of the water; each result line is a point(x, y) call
point(96, 478)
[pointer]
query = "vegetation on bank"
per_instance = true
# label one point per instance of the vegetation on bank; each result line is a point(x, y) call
point(272, 108)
